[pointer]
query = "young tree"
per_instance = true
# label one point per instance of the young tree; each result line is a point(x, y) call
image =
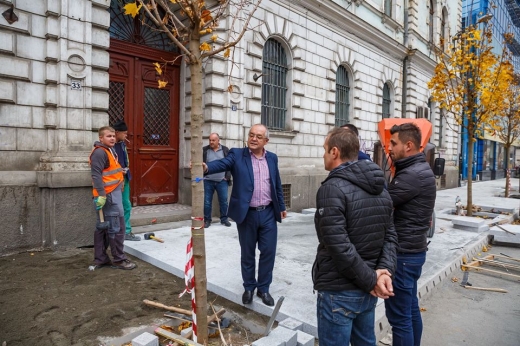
point(469, 83)
point(507, 125)
point(191, 26)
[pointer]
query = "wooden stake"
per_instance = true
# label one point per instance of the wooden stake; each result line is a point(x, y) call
point(165, 307)
point(210, 319)
point(469, 266)
point(500, 290)
point(177, 338)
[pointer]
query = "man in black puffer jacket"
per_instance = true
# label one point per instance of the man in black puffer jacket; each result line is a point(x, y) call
point(357, 243)
point(413, 194)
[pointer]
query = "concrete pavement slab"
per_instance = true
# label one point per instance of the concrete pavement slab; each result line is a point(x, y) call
point(296, 251)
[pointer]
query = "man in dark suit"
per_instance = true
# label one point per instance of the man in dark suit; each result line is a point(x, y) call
point(256, 205)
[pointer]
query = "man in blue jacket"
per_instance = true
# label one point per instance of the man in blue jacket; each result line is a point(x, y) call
point(256, 205)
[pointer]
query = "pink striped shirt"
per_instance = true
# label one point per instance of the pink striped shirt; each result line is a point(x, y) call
point(262, 190)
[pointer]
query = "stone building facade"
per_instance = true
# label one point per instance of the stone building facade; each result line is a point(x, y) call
point(65, 71)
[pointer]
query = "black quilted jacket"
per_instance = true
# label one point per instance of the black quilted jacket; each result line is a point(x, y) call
point(413, 194)
point(354, 226)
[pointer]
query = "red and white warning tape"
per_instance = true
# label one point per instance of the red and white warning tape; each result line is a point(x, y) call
point(189, 279)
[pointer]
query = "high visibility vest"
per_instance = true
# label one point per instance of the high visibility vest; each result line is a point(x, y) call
point(112, 176)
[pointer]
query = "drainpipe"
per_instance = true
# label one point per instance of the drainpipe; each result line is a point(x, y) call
point(405, 60)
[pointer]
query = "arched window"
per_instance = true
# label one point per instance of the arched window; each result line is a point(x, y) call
point(342, 96)
point(274, 85)
point(432, 12)
point(387, 101)
point(444, 29)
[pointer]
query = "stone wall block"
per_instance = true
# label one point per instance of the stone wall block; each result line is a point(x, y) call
point(330, 119)
point(100, 37)
point(76, 30)
point(214, 114)
point(51, 73)
point(299, 89)
point(7, 92)
point(30, 94)
point(299, 65)
point(100, 59)
point(215, 98)
point(216, 66)
point(51, 95)
point(99, 100)
point(53, 27)
point(99, 119)
point(21, 25)
point(100, 80)
point(77, 10)
point(14, 68)
point(30, 47)
point(51, 51)
point(7, 43)
point(76, 119)
point(100, 17)
point(38, 26)
point(38, 72)
point(31, 6)
point(253, 106)
point(7, 138)
point(254, 50)
point(101, 3)
point(15, 116)
point(53, 8)
point(31, 139)
point(51, 118)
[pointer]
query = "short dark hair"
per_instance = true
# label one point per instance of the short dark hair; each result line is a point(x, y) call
point(351, 127)
point(408, 132)
point(346, 141)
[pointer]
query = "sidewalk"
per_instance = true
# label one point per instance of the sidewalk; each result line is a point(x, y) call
point(296, 251)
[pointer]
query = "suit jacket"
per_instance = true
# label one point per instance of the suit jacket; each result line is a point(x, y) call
point(238, 161)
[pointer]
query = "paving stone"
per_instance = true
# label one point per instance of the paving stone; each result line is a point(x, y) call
point(145, 339)
point(291, 323)
point(282, 334)
point(471, 224)
point(267, 341)
point(304, 339)
point(504, 238)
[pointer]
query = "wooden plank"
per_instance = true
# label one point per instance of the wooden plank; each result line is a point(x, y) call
point(210, 319)
point(177, 338)
point(508, 257)
point(489, 270)
point(498, 263)
point(166, 307)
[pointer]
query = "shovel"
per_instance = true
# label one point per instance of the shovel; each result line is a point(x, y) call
point(102, 225)
point(466, 284)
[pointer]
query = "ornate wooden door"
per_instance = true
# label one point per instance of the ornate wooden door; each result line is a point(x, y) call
point(152, 116)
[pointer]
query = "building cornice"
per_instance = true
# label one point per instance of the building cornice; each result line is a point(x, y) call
point(348, 22)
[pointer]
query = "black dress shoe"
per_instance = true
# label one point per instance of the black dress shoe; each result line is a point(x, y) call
point(247, 297)
point(266, 298)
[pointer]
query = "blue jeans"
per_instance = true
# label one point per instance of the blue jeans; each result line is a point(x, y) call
point(402, 310)
point(222, 192)
point(346, 316)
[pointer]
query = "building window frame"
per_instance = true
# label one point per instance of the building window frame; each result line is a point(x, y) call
point(343, 96)
point(386, 105)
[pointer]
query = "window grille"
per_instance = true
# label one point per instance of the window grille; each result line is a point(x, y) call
point(116, 105)
point(388, 8)
point(156, 117)
point(431, 21)
point(139, 30)
point(274, 86)
point(342, 96)
point(386, 101)
point(286, 191)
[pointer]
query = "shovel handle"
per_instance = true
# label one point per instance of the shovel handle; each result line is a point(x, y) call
point(500, 290)
point(101, 216)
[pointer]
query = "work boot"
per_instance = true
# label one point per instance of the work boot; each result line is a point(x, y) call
point(131, 236)
point(125, 265)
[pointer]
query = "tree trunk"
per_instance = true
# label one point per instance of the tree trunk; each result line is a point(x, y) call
point(197, 191)
point(508, 176)
point(469, 206)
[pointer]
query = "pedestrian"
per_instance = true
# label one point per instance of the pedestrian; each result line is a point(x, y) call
point(107, 182)
point(256, 205)
point(353, 128)
point(357, 242)
point(122, 158)
point(413, 194)
point(216, 182)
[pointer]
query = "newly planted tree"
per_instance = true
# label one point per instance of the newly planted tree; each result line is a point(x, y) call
point(470, 83)
point(506, 126)
point(191, 25)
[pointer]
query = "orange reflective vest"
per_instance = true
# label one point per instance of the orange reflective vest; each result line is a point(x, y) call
point(112, 176)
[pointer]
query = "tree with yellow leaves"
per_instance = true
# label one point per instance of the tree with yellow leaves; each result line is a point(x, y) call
point(470, 83)
point(191, 25)
point(506, 126)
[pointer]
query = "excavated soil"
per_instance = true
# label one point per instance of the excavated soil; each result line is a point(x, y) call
point(51, 298)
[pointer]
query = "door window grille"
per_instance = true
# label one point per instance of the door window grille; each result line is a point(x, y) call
point(286, 191)
point(116, 105)
point(156, 117)
point(342, 96)
point(139, 30)
point(274, 86)
point(386, 101)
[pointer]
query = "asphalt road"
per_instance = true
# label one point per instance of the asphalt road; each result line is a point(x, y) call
point(455, 316)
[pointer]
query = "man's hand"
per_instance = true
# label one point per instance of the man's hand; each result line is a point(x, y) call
point(284, 214)
point(383, 288)
point(204, 167)
point(100, 202)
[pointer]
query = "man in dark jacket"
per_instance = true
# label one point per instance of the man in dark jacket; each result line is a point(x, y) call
point(413, 194)
point(357, 242)
point(216, 182)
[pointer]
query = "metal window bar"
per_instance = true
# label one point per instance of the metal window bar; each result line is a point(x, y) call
point(116, 104)
point(386, 101)
point(274, 86)
point(286, 191)
point(342, 97)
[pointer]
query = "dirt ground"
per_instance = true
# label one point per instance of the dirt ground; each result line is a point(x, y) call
point(51, 298)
